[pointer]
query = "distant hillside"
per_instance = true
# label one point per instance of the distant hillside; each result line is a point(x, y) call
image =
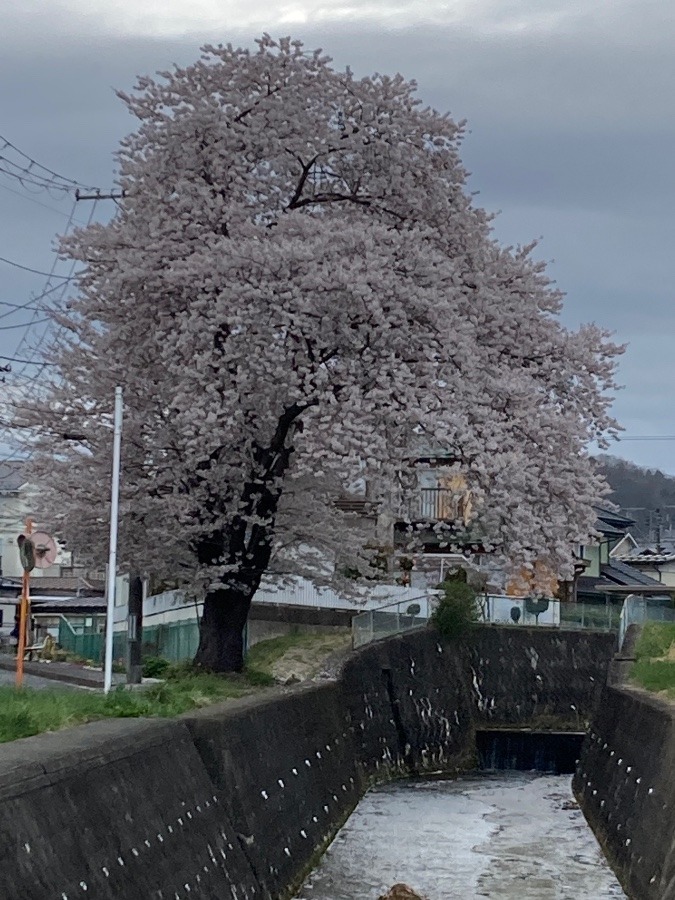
point(641, 493)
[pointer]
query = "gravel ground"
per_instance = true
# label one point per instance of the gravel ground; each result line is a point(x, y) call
point(320, 660)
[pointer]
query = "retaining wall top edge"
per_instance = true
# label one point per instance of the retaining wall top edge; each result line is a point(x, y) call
point(108, 739)
point(641, 695)
point(271, 697)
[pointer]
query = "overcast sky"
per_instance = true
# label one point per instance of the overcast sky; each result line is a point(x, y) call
point(570, 105)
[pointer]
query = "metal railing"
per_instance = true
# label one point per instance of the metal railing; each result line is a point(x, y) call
point(637, 610)
point(394, 618)
point(436, 504)
point(547, 612)
point(590, 616)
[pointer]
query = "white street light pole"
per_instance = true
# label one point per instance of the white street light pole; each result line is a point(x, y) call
point(112, 558)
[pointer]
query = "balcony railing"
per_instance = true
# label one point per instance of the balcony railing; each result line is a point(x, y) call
point(437, 504)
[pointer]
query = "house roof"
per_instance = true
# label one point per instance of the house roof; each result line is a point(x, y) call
point(11, 476)
point(619, 573)
point(650, 556)
point(57, 605)
point(67, 604)
point(611, 524)
point(617, 577)
point(66, 583)
point(55, 587)
point(625, 548)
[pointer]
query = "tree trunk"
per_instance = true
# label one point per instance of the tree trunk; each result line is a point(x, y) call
point(221, 630)
point(247, 544)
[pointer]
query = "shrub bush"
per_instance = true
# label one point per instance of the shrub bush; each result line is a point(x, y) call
point(457, 609)
point(155, 667)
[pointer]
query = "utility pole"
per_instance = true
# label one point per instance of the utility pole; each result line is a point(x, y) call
point(659, 547)
point(135, 608)
point(27, 563)
point(135, 632)
point(114, 516)
point(112, 558)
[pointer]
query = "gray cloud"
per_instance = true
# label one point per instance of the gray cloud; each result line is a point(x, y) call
point(571, 132)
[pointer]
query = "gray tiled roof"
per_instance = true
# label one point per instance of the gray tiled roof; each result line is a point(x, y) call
point(619, 573)
point(650, 556)
point(63, 604)
point(607, 516)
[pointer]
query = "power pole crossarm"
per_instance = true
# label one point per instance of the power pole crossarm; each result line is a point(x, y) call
point(111, 195)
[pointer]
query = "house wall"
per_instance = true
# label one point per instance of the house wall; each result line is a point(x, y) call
point(12, 522)
point(597, 555)
point(7, 610)
point(664, 572)
point(592, 555)
point(174, 606)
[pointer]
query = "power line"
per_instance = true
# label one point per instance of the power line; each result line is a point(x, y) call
point(25, 324)
point(64, 283)
point(59, 212)
point(35, 299)
point(21, 456)
point(25, 178)
point(33, 164)
point(51, 274)
point(17, 306)
point(41, 364)
point(648, 437)
point(27, 362)
point(35, 271)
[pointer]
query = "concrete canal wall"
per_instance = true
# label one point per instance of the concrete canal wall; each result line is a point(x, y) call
point(235, 801)
point(625, 784)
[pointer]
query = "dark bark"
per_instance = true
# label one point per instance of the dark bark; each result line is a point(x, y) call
point(135, 639)
point(221, 645)
point(245, 548)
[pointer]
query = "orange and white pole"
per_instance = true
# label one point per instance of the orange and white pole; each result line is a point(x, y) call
point(24, 615)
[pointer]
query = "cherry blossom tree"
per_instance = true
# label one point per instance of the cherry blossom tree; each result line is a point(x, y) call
point(297, 293)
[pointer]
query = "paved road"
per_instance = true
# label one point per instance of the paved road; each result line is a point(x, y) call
point(34, 681)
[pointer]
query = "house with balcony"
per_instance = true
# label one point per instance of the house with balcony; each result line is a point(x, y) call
point(432, 532)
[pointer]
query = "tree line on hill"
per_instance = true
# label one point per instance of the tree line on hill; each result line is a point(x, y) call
point(645, 495)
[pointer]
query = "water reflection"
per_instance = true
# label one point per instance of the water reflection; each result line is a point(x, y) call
point(509, 835)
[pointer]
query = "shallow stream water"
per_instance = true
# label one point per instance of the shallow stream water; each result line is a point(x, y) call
point(513, 835)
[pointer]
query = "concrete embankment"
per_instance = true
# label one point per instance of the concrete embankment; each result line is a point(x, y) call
point(235, 801)
point(625, 785)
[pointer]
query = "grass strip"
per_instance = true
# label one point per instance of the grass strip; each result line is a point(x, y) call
point(26, 712)
point(653, 669)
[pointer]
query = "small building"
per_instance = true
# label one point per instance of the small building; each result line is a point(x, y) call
point(658, 564)
point(607, 575)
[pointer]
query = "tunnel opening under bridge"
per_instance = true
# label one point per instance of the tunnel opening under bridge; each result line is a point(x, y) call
point(550, 752)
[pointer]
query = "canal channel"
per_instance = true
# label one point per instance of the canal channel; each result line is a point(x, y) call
point(505, 834)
